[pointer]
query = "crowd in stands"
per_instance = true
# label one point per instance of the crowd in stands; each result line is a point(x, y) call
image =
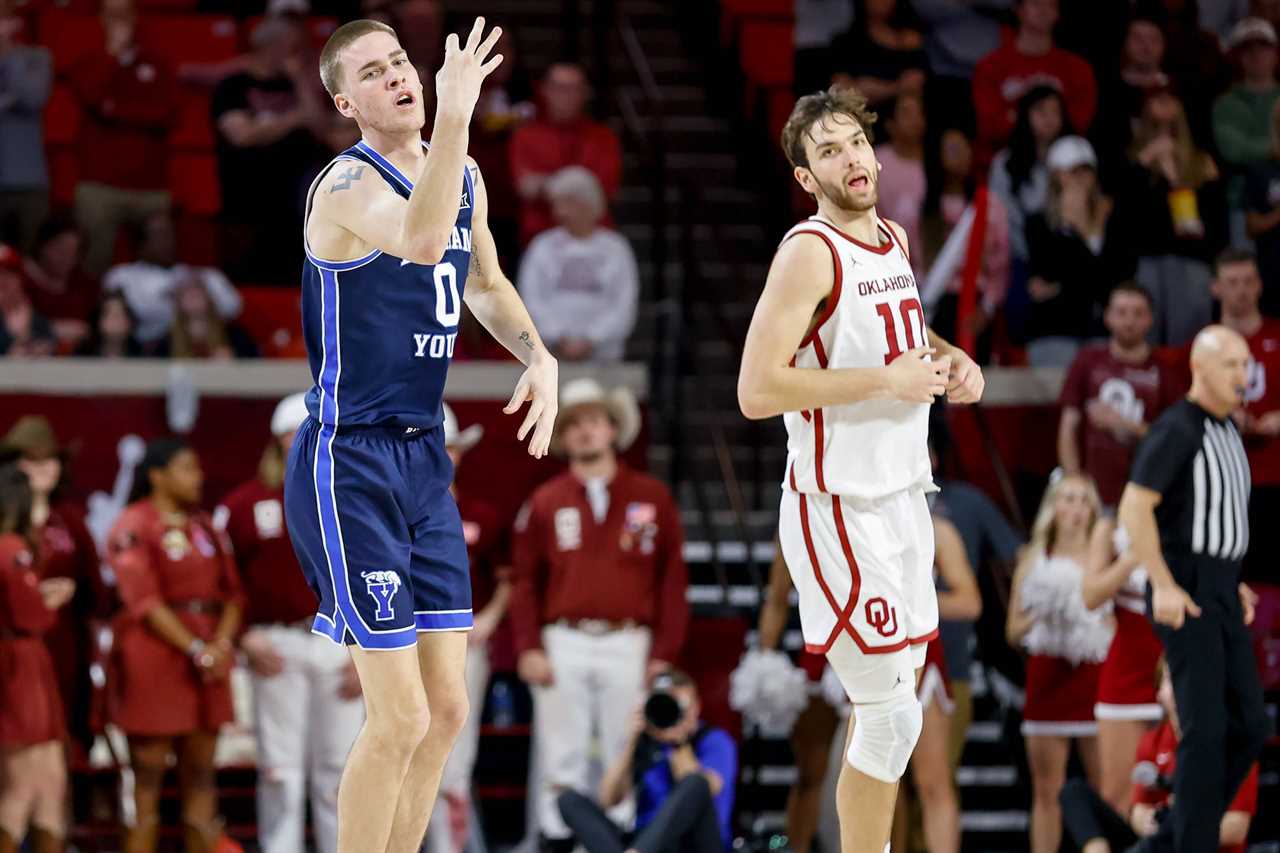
point(1108, 184)
point(166, 155)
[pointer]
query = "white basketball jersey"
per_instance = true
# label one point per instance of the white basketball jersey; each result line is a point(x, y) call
point(872, 448)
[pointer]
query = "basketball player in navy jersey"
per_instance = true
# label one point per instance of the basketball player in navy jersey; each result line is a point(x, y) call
point(397, 240)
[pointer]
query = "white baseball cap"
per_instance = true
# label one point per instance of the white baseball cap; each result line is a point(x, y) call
point(1069, 152)
point(289, 415)
point(463, 440)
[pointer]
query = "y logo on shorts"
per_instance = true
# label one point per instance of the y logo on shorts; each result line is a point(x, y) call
point(882, 617)
point(382, 587)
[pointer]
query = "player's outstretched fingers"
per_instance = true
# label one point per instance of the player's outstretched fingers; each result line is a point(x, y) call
point(542, 435)
point(530, 418)
point(517, 399)
point(473, 38)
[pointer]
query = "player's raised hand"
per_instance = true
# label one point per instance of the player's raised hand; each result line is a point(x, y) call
point(539, 385)
point(965, 382)
point(914, 378)
point(459, 79)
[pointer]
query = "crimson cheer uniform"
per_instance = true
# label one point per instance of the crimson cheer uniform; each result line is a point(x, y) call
point(1139, 392)
point(1126, 683)
point(30, 707)
point(184, 564)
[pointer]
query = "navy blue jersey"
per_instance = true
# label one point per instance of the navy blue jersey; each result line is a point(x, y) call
point(380, 330)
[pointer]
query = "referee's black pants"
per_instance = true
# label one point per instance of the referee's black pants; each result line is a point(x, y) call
point(1219, 700)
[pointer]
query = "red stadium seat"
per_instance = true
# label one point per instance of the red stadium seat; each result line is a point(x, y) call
point(194, 130)
point(63, 172)
point(273, 316)
point(193, 180)
point(318, 27)
point(61, 116)
point(733, 12)
point(69, 36)
point(766, 49)
point(190, 38)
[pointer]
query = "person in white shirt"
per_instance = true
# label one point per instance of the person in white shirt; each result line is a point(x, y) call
point(580, 280)
point(148, 283)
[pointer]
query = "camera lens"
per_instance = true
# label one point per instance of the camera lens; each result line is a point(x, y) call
point(662, 711)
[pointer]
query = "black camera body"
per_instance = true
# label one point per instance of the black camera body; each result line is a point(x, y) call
point(662, 710)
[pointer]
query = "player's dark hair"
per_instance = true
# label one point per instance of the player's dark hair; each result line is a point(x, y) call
point(15, 501)
point(815, 108)
point(343, 36)
point(1233, 255)
point(159, 454)
point(1133, 288)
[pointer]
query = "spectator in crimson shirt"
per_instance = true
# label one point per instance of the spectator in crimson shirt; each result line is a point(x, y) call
point(57, 284)
point(1112, 393)
point(306, 693)
point(562, 135)
point(1029, 59)
point(598, 596)
point(450, 827)
point(1237, 286)
point(130, 101)
point(1091, 822)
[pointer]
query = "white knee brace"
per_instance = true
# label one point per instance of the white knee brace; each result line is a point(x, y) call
point(884, 735)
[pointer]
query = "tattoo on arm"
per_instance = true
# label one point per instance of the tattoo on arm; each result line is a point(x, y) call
point(474, 269)
point(528, 341)
point(344, 182)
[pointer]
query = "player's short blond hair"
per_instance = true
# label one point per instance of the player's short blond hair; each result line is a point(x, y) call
point(343, 36)
point(812, 109)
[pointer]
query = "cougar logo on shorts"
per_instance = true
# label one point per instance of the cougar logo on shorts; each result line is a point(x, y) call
point(882, 617)
point(382, 586)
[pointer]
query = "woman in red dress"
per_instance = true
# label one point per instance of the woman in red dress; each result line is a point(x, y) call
point(33, 779)
point(169, 687)
point(1066, 643)
point(66, 551)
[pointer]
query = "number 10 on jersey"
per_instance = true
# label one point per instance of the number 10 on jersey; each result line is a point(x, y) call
point(912, 315)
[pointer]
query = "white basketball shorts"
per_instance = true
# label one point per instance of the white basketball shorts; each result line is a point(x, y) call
point(864, 574)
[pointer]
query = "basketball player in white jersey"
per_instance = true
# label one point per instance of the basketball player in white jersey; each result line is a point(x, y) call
point(839, 347)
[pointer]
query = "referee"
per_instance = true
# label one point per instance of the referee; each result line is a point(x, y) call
point(1186, 512)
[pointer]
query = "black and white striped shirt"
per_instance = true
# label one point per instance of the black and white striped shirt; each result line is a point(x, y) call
point(1198, 465)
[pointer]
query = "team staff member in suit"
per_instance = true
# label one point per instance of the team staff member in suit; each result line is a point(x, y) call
point(1186, 512)
point(181, 598)
point(305, 689)
point(450, 828)
point(598, 601)
point(33, 778)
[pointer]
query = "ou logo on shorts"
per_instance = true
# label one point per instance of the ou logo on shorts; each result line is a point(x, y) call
point(882, 617)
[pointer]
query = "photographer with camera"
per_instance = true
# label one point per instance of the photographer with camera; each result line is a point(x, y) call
point(682, 772)
point(1096, 828)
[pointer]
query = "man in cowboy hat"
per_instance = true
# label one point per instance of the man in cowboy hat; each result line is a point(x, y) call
point(482, 528)
point(307, 705)
point(598, 601)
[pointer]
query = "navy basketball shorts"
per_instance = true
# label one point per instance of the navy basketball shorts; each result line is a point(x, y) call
point(377, 533)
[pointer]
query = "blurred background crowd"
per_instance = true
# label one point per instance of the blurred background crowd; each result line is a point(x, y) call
point(1084, 185)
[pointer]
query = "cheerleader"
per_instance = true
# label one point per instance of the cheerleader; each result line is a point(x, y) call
point(932, 777)
point(1126, 708)
point(817, 724)
point(1066, 642)
point(33, 778)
